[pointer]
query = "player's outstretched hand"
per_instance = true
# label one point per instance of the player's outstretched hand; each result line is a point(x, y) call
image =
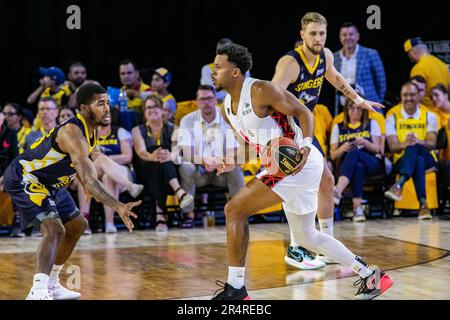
point(125, 212)
point(367, 104)
point(305, 153)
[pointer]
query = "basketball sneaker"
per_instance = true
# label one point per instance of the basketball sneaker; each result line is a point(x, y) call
point(230, 293)
point(358, 215)
point(60, 293)
point(424, 213)
point(394, 193)
point(301, 258)
point(39, 294)
point(374, 285)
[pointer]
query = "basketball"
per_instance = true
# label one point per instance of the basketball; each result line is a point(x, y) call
point(280, 156)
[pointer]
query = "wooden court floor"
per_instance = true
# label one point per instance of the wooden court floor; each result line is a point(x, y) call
point(184, 264)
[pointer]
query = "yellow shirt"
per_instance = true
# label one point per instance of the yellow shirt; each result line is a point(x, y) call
point(136, 103)
point(404, 126)
point(61, 96)
point(322, 122)
point(21, 135)
point(434, 71)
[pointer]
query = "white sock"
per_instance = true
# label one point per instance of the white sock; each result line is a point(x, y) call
point(293, 243)
point(361, 268)
point(326, 226)
point(54, 275)
point(306, 235)
point(236, 277)
point(40, 281)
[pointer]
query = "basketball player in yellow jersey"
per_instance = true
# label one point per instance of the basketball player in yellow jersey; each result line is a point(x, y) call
point(37, 181)
point(301, 72)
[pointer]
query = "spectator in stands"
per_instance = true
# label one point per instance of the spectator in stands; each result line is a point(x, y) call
point(153, 165)
point(77, 76)
point(8, 146)
point(13, 114)
point(421, 84)
point(161, 80)
point(8, 151)
point(112, 157)
point(132, 84)
point(439, 96)
point(65, 113)
point(377, 116)
point(359, 65)
point(168, 115)
point(356, 144)
point(48, 115)
point(51, 84)
point(431, 68)
point(207, 70)
point(204, 135)
point(411, 133)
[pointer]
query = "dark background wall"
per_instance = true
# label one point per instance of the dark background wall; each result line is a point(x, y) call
point(181, 35)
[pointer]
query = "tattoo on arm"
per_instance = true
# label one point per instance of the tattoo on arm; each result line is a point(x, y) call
point(97, 190)
point(344, 90)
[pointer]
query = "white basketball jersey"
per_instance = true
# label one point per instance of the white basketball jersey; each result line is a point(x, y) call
point(255, 130)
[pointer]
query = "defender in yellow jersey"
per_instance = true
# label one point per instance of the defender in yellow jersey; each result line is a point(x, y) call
point(411, 134)
point(301, 71)
point(37, 182)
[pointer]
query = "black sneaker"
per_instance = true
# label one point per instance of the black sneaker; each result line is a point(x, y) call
point(230, 293)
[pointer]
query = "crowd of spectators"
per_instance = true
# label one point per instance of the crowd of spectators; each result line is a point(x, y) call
point(166, 150)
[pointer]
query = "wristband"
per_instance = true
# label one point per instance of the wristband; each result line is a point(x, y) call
point(307, 142)
point(358, 100)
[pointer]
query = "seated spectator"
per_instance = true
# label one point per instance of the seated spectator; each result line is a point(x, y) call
point(8, 151)
point(411, 133)
point(153, 165)
point(161, 81)
point(112, 157)
point(421, 84)
point(204, 135)
point(355, 143)
point(9, 148)
point(13, 114)
point(439, 96)
point(65, 113)
point(168, 115)
point(77, 76)
point(51, 84)
point(47, 114)
point(132, 84)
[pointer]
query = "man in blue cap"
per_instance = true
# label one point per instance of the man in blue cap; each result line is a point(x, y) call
point(431, 68)
point(51, 84)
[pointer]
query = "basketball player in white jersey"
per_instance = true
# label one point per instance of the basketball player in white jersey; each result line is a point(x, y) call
point(259, 111)
point(301, 72)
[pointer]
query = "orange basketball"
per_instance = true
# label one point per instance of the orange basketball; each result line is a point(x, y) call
point(280, 156)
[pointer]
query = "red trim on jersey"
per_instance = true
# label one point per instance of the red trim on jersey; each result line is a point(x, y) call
point(283, 123)
point(271, 181)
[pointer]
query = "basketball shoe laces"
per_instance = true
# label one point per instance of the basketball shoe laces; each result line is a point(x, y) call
point(305, 253)
point(373, 280)
point(221, 285)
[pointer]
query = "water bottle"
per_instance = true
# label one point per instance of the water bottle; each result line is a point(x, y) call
point(123, 103)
